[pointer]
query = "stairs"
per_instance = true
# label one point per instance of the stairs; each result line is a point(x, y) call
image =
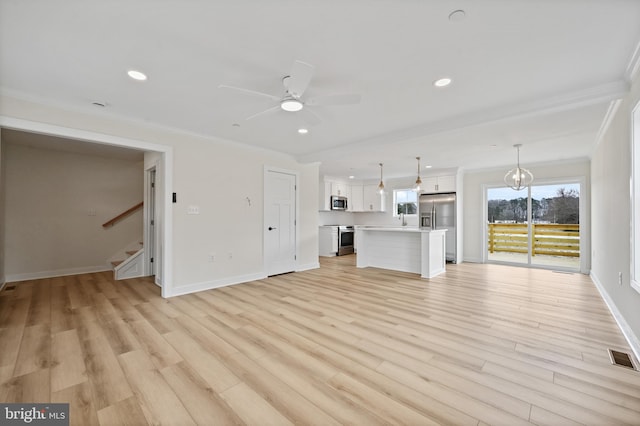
point(131, 267)
point(129, 254)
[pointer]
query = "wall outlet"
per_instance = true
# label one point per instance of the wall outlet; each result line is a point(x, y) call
point(193, 210)
point(212, 257)
point(229, 256)
point(620, 278)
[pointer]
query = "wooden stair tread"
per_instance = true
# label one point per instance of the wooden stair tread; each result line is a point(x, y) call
point(116, 262)
point(131, 252)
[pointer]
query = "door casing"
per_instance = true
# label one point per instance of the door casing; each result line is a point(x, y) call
point(269, 268)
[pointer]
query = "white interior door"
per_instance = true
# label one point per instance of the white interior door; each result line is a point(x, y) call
point(280, 222)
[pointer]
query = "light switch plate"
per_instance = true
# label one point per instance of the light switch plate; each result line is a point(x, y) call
point(193, 210)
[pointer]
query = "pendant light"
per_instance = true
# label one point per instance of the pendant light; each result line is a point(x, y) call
point(418, 184)
point(518, 178)
point(381, 184)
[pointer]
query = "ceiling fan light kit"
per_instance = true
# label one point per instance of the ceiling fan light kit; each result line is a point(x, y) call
point(518, 178)
point(295, 84)
point(291, 105)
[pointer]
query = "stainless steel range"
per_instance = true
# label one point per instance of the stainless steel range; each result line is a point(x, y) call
point(346, 236)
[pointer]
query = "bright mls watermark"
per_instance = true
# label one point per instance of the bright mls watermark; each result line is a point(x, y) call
point(34, 414)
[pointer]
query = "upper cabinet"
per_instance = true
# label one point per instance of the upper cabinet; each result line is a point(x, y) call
point(339, 188)
point(325, 196)
point(356, 202)
point(439, 184)
point(360, 198)
point(373, 200)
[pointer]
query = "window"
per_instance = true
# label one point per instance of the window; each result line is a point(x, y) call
point(405, 201)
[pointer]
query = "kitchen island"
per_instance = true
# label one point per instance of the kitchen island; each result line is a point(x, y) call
point(406, 249)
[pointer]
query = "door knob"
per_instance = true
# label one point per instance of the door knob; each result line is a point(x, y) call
point(272, 228)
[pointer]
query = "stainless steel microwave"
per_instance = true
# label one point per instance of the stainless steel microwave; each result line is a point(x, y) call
point(338, 203)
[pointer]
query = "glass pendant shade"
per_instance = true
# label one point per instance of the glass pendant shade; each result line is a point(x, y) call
point(518, 178)
point(381, 184)
point(418, 184)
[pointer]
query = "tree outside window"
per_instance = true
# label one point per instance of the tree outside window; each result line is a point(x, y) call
point(405, 201)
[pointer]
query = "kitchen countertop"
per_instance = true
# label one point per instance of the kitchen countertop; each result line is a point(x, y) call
point(395, 228)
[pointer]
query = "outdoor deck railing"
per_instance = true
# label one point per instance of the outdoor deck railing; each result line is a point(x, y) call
point(548, 239)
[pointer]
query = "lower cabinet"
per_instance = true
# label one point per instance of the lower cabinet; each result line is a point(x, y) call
point(328, 241)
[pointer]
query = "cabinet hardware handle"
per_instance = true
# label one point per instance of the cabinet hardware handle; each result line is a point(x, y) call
point(272, 228)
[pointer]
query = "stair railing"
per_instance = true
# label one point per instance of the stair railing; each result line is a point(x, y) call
point(123, 215)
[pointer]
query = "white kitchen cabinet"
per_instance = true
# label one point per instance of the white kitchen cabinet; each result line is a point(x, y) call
point(373, 201)
point(328, 241)
point(439, 184)
point(339, 188)
point(356, 201)
point(324, 196)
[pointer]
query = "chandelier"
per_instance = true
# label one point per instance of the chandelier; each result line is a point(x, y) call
point(518, 178)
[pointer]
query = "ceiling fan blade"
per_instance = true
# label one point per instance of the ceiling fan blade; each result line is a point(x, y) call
point(310, 117)
point(299, 78)
point(262, 112)
point(343, 99)
point(250, 92)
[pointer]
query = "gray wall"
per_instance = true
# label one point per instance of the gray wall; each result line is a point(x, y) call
point(214, 174)
point(610, 186)
point(56, 203)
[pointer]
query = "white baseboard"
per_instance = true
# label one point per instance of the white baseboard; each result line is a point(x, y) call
point(56, 273)
point(628, 333)
point(472, 260)
point(308, 266)
point(209, 285)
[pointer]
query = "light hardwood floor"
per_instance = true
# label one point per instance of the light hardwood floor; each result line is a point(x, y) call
point(481, 344)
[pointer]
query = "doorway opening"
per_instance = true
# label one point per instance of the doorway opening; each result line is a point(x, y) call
point(538, 226)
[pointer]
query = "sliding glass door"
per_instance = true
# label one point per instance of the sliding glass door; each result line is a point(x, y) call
point(537, 226)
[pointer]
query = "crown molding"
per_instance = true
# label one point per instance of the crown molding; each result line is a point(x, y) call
point(606, 121)
point(633, 68)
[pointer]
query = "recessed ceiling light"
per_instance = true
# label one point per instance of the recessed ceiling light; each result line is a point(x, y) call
point(443, 82)
point(352, 177)
point(303, 131)
point(428, 167)
point(136, 75)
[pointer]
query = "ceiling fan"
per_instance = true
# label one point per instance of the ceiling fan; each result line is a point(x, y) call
point(295, 84)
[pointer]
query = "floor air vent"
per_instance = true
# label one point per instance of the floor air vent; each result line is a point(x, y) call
point(622, 359)
point(10, 287)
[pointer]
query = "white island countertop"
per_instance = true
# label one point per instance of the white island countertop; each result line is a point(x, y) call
point(392, 228)
point(402, 248)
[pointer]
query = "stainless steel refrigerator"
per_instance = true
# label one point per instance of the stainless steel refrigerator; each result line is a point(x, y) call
point(438, 211)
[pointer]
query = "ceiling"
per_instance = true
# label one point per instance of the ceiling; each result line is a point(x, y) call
point(542, 73)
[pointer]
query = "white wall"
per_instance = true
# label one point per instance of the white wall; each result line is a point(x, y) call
point(2, 197)
point(611, 173)
point(49, 197)
point(215, 175)
point(473, 221)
